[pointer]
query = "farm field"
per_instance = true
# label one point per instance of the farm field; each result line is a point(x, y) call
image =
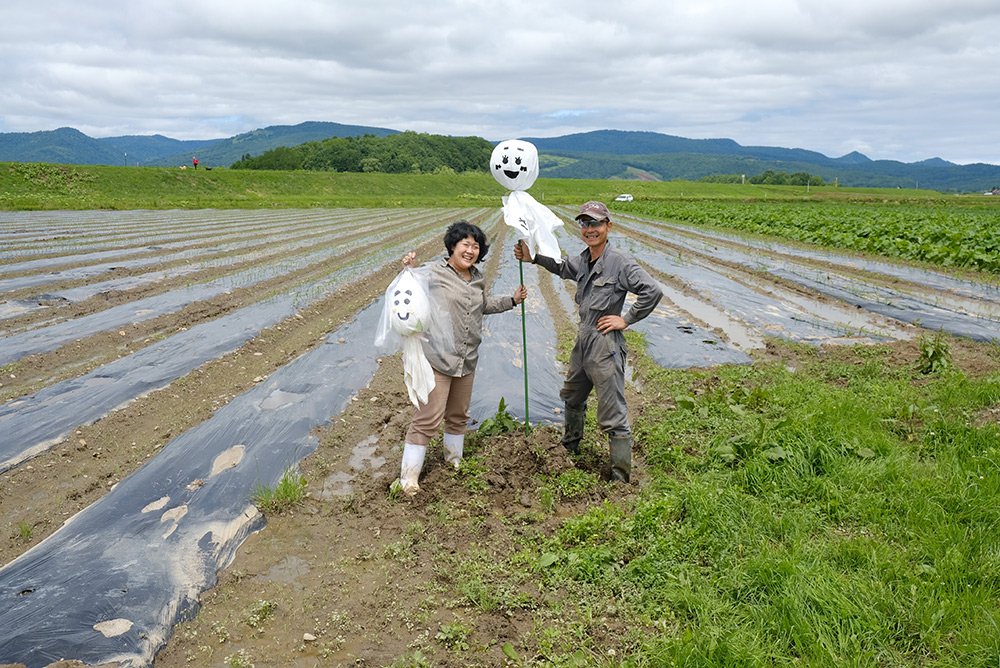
point(159, 367)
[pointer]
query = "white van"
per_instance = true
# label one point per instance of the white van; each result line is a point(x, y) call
point(624, 198)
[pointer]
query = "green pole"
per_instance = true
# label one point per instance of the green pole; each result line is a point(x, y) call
point(524, 355)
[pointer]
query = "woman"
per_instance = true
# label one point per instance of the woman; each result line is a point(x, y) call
point(456, 284)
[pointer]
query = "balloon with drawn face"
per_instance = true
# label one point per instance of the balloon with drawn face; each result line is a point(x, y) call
point(514, 164)
point(408, 306)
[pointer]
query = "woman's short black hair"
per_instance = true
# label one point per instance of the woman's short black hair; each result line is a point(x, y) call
point(461, 229)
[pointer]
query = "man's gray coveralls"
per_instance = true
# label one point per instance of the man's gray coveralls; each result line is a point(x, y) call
point(598, 360)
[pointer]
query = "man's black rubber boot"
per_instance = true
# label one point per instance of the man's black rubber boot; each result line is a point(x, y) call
point(573, 429)
point(621, 458)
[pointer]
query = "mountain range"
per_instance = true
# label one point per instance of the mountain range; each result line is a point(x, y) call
point(602, 154)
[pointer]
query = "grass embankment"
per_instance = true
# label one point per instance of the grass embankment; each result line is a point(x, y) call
point(34, 186)
point(820, 510)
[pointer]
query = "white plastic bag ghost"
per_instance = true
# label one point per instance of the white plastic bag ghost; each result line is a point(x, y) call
point(408, 304)
point(514, 164)
point(407, 314)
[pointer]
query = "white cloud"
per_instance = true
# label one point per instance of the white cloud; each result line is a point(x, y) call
point(894, 79)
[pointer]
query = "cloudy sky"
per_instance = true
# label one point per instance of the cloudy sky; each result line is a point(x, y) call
point(894, 79)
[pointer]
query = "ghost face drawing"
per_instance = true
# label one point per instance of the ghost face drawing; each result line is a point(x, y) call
point(408, 307)
point(514, 164)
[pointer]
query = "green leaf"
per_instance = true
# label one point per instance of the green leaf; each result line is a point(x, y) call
point(776, 453)
point(727, 453)
point(546, 560)
point(509, 652)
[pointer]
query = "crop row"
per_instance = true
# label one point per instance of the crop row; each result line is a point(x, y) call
point(937, 235)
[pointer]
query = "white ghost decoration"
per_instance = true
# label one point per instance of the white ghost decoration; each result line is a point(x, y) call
point(417, 371)
point(407, 314)
point(408, 305)
point(514, 164)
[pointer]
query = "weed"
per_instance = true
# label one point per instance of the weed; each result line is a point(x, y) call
point(260, 612)
point(574, 482)
point(401, 551)
point(500, 423)
point(221, 632)
point(547, 498)
point(25, 529)
point(289, 492)
point(567, 485)
point(935, 353)
point(240, 659)
point(415, 660)
point(472, 471)
point(454, 636)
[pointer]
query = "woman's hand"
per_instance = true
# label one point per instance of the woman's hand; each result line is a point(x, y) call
point(520, 295)
point(409, 260)
point(521, 252)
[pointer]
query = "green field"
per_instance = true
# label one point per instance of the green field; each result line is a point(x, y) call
point(819, 508)
point(910, 225)
point(40, 186)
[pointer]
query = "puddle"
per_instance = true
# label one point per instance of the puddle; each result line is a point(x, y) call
point(287, 571)
point(337, 485)
point(280, 399)
point(362, 457)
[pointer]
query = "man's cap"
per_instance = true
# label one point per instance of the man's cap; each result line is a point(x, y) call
point(595, 210)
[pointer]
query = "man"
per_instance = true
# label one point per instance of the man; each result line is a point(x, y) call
point(604, 275)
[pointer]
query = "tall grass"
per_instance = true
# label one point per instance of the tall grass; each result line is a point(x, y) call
point(841, 514)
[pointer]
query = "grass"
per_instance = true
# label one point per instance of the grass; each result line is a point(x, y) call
point(289, 492)
point(843, 514)
point(43, 186)
point(25, 530)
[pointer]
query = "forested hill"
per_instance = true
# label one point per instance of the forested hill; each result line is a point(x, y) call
point(604, 154)
point(615, 154)
point(225, 152)
point(72, 147)
point(403, 153)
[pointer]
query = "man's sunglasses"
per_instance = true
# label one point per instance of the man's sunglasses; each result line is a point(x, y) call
point(590, 222)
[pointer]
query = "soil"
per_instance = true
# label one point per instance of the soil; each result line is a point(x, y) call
point(354, 575)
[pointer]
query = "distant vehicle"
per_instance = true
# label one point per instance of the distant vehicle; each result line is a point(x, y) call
point(624, 198)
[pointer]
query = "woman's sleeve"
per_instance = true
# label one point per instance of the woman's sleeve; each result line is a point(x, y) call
point(497, 304)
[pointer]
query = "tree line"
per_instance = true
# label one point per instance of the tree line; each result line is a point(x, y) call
point(768, 178)
point(403, 153)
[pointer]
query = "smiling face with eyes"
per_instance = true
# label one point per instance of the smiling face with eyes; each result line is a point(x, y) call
point(595, 234)
point(408, 306)
point(465, 255)
point(514, 164)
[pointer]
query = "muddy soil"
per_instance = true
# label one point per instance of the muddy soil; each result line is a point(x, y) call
point(353, 575)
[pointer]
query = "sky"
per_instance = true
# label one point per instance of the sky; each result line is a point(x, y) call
point(900, 80)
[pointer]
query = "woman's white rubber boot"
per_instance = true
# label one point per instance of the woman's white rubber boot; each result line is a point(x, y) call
point(409, 471)
point(453, 445)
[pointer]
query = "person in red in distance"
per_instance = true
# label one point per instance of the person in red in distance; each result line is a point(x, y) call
point(194, 161)
point(604, 275)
